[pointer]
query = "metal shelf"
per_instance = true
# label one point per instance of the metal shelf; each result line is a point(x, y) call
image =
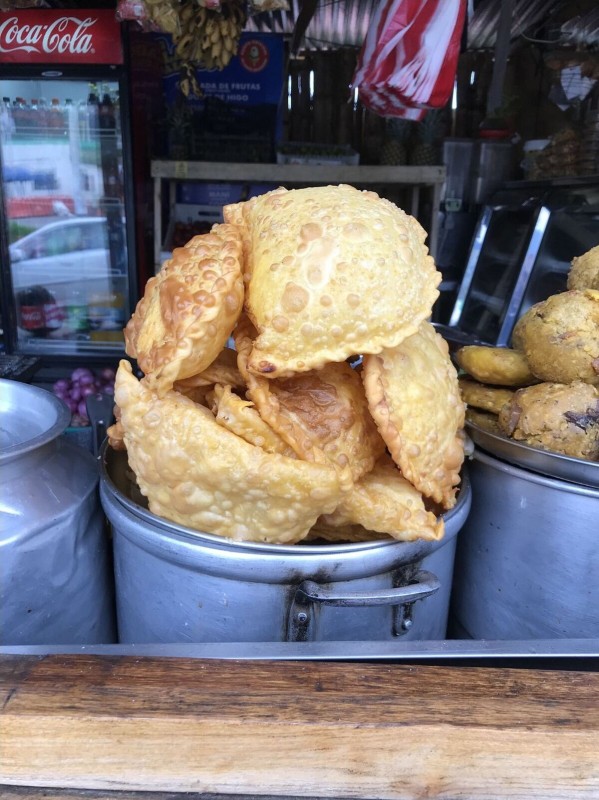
point(413, 177)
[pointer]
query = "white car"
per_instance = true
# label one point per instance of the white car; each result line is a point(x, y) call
point(70, 253)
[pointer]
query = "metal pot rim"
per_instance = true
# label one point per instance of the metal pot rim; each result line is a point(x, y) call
point(26, 394)
point(423, 547)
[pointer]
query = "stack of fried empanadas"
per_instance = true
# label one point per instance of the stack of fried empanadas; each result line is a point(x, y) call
point(282, 439)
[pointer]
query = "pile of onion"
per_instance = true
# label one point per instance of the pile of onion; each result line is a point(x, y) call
point(80, 385)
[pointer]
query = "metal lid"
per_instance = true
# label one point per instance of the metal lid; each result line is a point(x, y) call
point(29, 418)
point(556, 465)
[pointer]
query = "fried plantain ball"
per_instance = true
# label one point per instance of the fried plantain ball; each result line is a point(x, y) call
point(500, 366)
point(560, 337)
point(584, 271)
point(563, 418)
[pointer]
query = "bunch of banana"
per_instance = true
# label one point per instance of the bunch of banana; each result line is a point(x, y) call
point(209, 37)
point(165, 15)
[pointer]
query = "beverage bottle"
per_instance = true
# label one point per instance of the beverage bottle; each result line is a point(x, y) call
point(34, 303)
point(77, 320)
point(42, 114)
point(92, 115)
point(7, 125)
point(53, 315)
point(17, 113)
point(106, 116)
point(32, 114)
point(107, 316)
point(56, 116)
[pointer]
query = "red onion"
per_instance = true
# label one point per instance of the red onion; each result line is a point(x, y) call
point(87, 390)
point(75, 392)
point(72, 404)
point(82, 372)
point(86, 380)
point(108, 389)
point(82, 409)
point(63, 385)
point(107, 374)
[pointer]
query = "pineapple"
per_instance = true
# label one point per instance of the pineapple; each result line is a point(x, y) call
point(426, 150)
point(395, 144)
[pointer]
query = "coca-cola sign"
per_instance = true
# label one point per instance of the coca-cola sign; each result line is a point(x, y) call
point(68, 36)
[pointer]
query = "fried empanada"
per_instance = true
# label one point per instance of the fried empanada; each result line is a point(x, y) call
point(323, 414)
point(584, 270)
point(385, 502)
point(500, 366)
point(563, 418)
point(334, 272)
point(343, 533)
point(222, 370)
point(189, 309)
point(487, 398)
point(196, 473)
point(560, 337)
point(414, 397)
point(240, 417)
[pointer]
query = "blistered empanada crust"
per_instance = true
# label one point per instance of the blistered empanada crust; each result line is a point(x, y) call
point(189, 309)
point(322, 414)
point(198, 474)
point(240, 417)
point(415, 400)
point(222, 370)
point(385, 502)
point(334, 271)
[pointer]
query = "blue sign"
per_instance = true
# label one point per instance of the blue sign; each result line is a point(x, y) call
point(254, 76)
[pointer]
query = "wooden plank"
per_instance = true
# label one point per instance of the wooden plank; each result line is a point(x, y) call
point(302, 173)
point(351, 730)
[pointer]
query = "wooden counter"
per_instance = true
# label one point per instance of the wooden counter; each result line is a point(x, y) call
point(315, 729)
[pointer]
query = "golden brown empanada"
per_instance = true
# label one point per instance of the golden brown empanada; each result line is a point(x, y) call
point(240, 417)
point(322, 414)
point(222, 370)
point(413, 395)
point(334, 272)
point(196, 473)
point(189, 309)
point(385, 502)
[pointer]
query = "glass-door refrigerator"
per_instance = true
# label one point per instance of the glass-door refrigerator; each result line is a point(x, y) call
point(67, 243)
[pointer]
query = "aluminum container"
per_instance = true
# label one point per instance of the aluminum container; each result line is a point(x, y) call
point(527, 565)
point(175, 584)
point(56, 582)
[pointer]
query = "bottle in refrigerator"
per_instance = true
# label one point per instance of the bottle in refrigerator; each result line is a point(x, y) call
point(38, 312)
point(106, 115)
point(77, 321)
point(107, 316)
point(7, 125)
point(56, 116)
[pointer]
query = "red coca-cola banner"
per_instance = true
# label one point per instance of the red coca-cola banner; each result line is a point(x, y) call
point(65, 36)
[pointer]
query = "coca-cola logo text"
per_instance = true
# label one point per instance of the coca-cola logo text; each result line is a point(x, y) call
point(62, 35)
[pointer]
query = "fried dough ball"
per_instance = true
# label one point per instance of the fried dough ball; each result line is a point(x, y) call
point(584, 271)
point(322, 414)
point(560, 337)
point(385, 502)
point(414, 397)
point(240, 417)
point(487, 398)
point(558, 417)
point(485, 420)
point(497, 365)
point(196, 473)
point(189, 309)
point(334, 271)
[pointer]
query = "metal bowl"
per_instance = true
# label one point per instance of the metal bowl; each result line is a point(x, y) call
point(546, 462)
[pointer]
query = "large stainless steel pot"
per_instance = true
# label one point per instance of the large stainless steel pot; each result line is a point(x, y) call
point(527, 565)
point(174, 584)
point(55, 579)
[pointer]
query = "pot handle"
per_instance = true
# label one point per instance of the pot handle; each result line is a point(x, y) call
point(300, 621)
point(424, 584)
